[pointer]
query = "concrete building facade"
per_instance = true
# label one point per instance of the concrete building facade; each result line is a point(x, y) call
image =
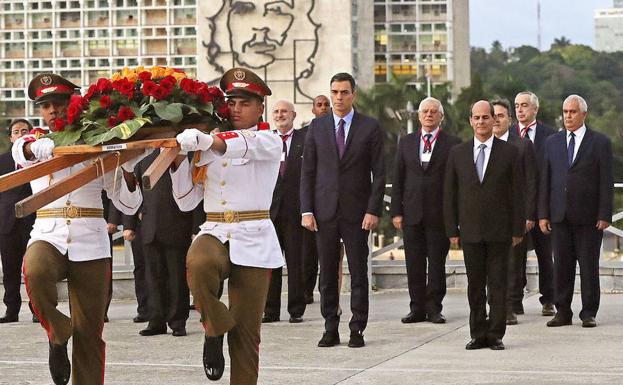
point(609, 29)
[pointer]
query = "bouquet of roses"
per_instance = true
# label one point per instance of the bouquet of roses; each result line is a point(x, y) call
point(118, 107)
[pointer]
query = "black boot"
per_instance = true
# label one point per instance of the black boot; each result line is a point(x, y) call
point(60, 368)
point(213, 360)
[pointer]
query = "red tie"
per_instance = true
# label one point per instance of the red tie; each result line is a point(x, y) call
point(282, 165)
point(527, 128)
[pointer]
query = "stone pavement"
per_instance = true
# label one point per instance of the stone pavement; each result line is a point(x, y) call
point(420, 353)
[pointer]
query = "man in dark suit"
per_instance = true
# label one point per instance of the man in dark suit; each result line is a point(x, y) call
point(342, 185)
point(483, 206)
point(14, 232)
point(527, 127)
point(321, 107)
point(417, 200)
point(166, 235)
point(132, 233)
point(575, 204)
point(527, 161)
point(285, 212)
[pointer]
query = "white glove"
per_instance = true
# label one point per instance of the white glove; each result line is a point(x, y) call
point(130, 164)
point(194, 140)
point(42, 148)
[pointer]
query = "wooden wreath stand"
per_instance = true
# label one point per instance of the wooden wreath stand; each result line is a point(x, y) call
point(104, 158)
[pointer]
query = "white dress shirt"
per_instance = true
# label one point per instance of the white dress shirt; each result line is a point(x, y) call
point(579, 135)
point(531, 131)
point(487, 150)
point(348, 120)
point(288, 140)
point(504, 137)
point(241, 179)
point(426, 157)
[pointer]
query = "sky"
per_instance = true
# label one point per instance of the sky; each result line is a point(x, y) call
point(514, 22)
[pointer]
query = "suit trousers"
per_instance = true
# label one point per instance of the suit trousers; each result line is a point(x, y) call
point(88, 284)
point(516, 280)
point(310, 260)
point(12, 249)
point(425, 245)
point(486, 268)
point(168, 298)
point(140, 281)
point(208, 266)
point(543, 249)
point(356, 244)
point(576, 244)
point(290, 234)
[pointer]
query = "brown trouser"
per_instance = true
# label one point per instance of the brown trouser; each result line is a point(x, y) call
point(88, 284)
point(208, 265)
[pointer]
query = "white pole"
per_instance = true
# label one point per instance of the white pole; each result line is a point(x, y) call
point(410, 112)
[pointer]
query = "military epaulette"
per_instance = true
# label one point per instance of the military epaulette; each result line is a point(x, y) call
point(227, 135)
point(263, 126)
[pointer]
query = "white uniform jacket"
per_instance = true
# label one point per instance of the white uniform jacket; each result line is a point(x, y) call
point(82, 239)
point(242, 179)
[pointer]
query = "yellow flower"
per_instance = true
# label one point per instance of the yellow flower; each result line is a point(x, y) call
point(157, 72)
point(179, 76)
point(116, 76)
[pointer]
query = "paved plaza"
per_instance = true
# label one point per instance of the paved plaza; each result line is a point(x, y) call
point(421, 353)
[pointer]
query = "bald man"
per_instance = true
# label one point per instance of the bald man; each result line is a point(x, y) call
point(285, 214)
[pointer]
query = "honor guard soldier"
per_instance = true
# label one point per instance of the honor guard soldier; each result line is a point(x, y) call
point(237, 241)
point(69, 241)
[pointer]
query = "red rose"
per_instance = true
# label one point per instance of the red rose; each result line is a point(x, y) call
point(215, 92)
point(199, 87)
point(37, 131)
point(161, 93)
point(92, 90)
point(104, 85)
point(124, 86)
point(144, 76)
point(58, 124)
point(149, 87)
point(187, 85)
point(223, 111)
point(205, 97)
point(73, 112)
point(79, 101)
point(105, 101)
point(125, 113)
point(168, 82)
point(112, 121)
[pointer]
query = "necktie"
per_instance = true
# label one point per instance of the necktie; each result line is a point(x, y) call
point(480, 162)
point(427, 144)
point(526, 130)
point(282, 165)
point(340, 138)
point(571, 148)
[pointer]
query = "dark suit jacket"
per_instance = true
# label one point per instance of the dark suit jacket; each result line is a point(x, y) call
point(491, 211)
point(528, 163)
point(10, 197)
point(286, 195)
point(583, 192)
point(353, 185)
point(162, 220)
point(417, 194)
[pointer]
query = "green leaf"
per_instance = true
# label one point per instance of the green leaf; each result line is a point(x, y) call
point(122, 131)
point(143, 109)
point(207, 109)
point(169, 111)
point(64, 138)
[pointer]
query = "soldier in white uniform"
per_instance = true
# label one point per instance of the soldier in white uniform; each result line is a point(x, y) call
point(69, 241)
point(238, 241)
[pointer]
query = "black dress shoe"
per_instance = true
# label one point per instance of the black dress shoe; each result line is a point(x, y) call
point(60, 368)
point(269, 319)
point(7, 318)
point(179, 332)
point(35, 319)
point(356, 340)
point(139, 319)
point(295, 320)
point(413, 317)
point(548, 310)
point(559, 321)
point(476, 344)
point(518, 309)
point(213, 360)
point(511, 318)
point(192, 307)
point(152, 331)
point(496, 344)
point(437, 318)
point(329, 339)
point(589, 322)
